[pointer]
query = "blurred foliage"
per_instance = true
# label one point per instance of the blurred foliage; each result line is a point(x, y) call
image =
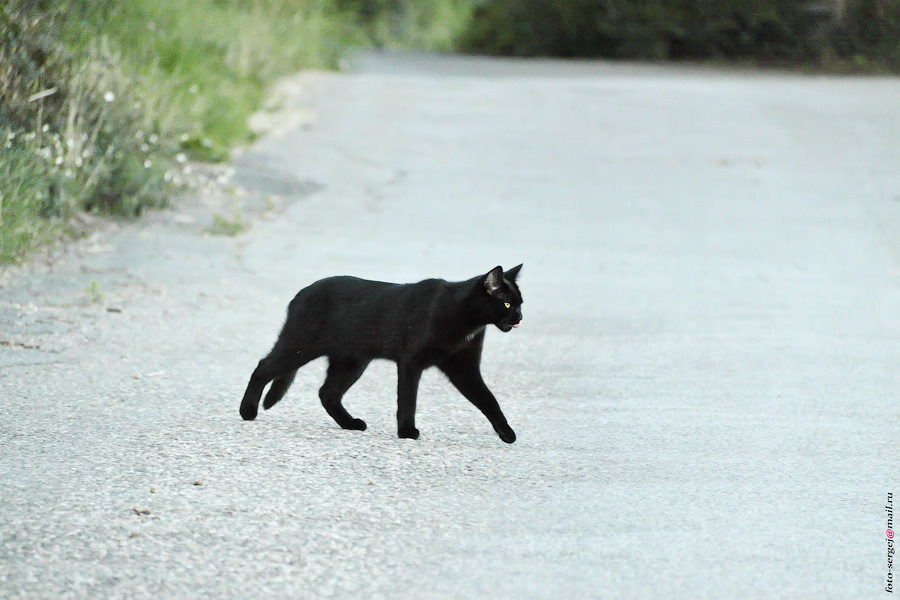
point(660, 29)
point(870, 31)
point(429, 25)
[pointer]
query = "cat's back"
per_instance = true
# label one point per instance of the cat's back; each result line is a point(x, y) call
point(347, 290)
point(351, 312)
point(346, 286)
point(332, 293)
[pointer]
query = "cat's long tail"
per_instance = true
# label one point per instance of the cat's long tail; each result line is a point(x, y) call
point(279, 387)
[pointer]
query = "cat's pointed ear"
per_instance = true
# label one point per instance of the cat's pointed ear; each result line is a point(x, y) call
point(513, 273)
point(493, 281)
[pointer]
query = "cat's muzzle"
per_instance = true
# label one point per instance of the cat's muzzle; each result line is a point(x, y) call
point(507, 327)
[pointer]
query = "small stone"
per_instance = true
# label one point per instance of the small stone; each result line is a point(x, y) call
point(198, 482)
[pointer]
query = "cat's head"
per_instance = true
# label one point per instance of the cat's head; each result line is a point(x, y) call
point(504, 301)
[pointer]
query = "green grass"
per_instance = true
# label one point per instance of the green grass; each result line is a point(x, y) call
point(95, 291)
point(22, 206)
point(229, 227)
point(209, 61)
point(74, 136)
point(98, 97)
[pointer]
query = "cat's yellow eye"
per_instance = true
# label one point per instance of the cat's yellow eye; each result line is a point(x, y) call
point(506, 304)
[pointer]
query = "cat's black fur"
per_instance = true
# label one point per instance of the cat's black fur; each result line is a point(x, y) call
point(433, 323)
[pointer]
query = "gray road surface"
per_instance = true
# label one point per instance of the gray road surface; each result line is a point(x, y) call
point(704, 388)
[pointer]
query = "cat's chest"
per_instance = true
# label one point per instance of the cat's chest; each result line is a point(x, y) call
point(472, 335)
point(460, 342)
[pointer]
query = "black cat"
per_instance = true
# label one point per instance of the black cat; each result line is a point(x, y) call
point(433, 323)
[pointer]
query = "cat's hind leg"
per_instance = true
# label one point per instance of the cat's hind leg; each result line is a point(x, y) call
point(279, 387)
point(342, 373)
point(278, 364)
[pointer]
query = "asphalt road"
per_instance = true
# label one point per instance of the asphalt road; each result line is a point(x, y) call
point(704, 388)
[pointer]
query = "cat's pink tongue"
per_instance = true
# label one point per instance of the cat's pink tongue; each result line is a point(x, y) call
point(517, 324)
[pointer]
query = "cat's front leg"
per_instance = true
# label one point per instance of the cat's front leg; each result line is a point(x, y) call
point(407, 389)
point(465, 375)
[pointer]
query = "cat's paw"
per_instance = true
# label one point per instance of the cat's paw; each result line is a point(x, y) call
point(357, 424)
point(507, 434)
point(409, 433)
point(248, 411)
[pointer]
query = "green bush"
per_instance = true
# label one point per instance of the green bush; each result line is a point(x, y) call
point(870, 31)
point(658, 29)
